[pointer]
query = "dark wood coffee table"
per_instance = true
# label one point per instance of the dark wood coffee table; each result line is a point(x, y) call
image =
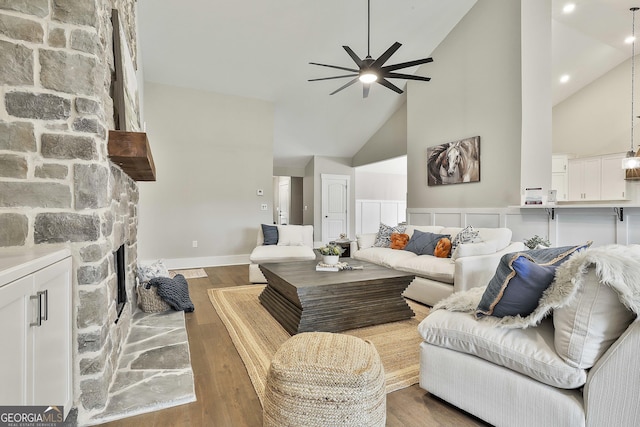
point(304, 300)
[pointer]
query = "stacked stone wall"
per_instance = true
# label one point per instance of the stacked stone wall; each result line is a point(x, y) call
point(57, 186)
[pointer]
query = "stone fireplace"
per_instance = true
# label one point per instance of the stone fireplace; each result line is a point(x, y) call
point(57, 185)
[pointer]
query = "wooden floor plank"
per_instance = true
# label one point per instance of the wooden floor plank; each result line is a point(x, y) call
point(225, 396)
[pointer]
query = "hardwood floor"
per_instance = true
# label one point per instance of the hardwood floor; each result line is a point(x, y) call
point(225, 396)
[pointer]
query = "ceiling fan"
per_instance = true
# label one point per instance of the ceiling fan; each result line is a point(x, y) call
point(372, 70)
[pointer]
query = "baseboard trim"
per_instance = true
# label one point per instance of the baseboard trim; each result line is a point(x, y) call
point(211, 261)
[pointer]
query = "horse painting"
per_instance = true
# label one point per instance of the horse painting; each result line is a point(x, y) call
point(454, 162)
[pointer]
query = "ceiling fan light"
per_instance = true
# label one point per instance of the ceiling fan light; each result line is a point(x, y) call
point(368, 77)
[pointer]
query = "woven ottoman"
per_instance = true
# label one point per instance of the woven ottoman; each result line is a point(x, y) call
point(325, 379)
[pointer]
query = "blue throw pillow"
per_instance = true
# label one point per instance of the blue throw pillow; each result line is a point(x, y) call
point(270, 233)
point(424, 243)
point(520, 280)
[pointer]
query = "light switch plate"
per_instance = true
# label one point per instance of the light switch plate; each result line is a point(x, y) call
point(260, 192)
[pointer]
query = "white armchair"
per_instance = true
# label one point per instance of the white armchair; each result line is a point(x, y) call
point(295, 243)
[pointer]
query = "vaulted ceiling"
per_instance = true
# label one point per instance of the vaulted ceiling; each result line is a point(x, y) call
point(262, 49)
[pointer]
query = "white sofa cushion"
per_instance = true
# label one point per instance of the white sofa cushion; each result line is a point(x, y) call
point(386, 257)
point(428, 266)
point(275, 253)
point(530, 351)
point(501, 236)
point(365, 240)
point(295, 235)
point(587, 327)
point(491, 240)
point(474, 249)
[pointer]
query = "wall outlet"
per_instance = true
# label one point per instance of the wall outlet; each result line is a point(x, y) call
point(194, 244)
point(264, 207)
point(260, 192)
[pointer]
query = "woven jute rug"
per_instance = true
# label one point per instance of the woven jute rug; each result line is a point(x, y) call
point(256, 335)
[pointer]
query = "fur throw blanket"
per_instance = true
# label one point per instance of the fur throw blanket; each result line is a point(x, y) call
point(616, 266)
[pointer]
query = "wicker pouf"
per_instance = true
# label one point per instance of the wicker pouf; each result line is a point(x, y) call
point(324, 379)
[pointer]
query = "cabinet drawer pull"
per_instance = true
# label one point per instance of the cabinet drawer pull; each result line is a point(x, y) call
point(46, 303)
point(38, 321)
point(40, 317)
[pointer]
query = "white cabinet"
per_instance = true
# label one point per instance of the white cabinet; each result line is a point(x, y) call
point(584, 178)
point(35, 313)
point(596, 178)
point(559, 178)
point(614, 185)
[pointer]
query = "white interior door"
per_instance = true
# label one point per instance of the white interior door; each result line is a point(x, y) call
point(284, 199)
point(335, 206)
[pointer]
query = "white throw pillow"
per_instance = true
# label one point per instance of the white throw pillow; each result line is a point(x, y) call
point(147, 272)
point(366, 240)
point(290, 235)
point(587, 327)
point(474, 249)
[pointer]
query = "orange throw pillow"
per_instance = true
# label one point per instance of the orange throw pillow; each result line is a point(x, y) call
point(442, 248)
point(399, 240)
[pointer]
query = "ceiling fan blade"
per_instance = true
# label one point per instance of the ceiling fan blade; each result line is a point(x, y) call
point(344, 86)
point(389, 85)
point(406, 76)
point(336, 67)
point(353, 55)
point(365, 89)
point(407, 64)
point(331, 78)
point(386, 55)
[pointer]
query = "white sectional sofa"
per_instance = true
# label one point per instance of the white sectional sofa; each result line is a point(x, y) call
point(295, 243)
point(436, 278)
point(579, 367)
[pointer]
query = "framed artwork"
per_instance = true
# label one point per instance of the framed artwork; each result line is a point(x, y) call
point(125, 88)
point(454, 162)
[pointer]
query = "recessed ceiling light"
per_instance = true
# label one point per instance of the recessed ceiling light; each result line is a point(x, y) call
point(564, 78)
point(629, 40)
point(569, 7)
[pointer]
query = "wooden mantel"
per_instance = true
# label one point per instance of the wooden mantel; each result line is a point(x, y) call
point(131, 151)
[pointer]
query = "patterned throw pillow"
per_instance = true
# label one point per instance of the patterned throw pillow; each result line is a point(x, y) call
point(383, 239)
point(147, 272)
point(466, 235)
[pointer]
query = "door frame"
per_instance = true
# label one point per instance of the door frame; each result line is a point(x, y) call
point(346, 178)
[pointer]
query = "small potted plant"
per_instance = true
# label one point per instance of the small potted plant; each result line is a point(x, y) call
point(537, 242)
point(330, 254)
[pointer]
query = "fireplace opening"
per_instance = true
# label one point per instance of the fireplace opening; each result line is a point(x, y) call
point(121, 279)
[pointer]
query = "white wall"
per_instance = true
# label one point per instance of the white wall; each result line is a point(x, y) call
point(475, 89)
point(212, 152)
point(380, 186)
point(536, 146)
point(597, 119)
point(388, 142)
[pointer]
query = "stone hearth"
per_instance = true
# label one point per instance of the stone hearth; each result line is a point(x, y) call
point(154, 370)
